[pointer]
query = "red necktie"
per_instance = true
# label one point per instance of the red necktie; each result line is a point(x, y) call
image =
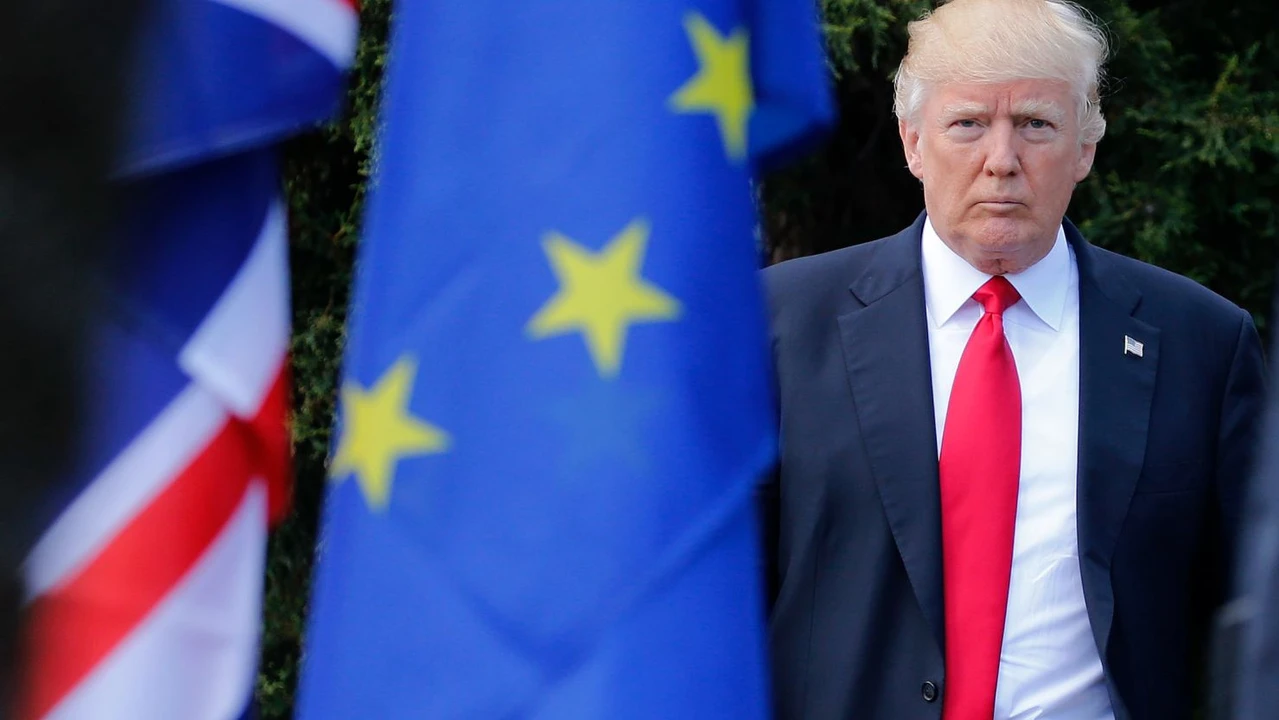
point(980, 465)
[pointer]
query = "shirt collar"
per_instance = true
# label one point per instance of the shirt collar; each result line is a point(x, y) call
point(949, 281)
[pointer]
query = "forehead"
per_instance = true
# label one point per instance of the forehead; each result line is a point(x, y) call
point(999, 98)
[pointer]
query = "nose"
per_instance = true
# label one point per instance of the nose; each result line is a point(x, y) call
point(1003, 158)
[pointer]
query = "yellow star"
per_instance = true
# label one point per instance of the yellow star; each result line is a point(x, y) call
point(601, 294)
point(722, 85)
point(379, 430)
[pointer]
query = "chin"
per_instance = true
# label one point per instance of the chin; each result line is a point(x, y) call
point(1003, 235)
point(1005, 245)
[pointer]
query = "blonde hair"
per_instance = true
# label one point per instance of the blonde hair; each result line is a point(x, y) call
point(992, 41)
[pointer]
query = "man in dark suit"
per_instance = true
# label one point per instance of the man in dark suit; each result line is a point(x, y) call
point(1247, 687)
point(1011, 461)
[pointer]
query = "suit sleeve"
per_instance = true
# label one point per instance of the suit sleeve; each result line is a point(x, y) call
point(767, 494)
point(1242, 412)
point(1247, 678)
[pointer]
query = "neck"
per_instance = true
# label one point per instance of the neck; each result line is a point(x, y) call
point(1000, 261)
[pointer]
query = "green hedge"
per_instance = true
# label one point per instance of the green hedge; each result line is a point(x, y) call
point(1186, 178)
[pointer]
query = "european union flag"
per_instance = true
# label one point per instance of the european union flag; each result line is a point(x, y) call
point(556, 400)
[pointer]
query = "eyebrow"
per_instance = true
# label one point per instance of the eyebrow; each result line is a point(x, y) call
point(1043, 109)
point(964, 109)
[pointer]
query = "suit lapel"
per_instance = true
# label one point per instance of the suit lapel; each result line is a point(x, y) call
point(1116, 386)
point(885, 344)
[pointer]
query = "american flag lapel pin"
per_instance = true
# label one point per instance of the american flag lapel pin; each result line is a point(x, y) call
point(1132, 347)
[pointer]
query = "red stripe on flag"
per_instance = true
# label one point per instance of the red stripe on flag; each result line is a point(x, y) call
point(71, 629)
point(274, 447)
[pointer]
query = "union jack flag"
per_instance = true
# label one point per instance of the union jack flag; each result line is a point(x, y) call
point(144, 591)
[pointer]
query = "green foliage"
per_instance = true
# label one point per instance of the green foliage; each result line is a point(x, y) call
point(865, 39)
point(325, 178)
point(1185, 178)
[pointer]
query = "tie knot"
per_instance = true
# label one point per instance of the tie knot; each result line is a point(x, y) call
point(997, 295)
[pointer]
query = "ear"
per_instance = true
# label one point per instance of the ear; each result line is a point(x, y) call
point(910, 146)
point(1083, 166)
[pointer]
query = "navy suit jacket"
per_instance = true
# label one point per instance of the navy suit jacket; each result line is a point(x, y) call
point(1250, 656)
point(852, 517)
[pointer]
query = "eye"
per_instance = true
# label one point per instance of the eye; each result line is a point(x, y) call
point(1037, 124)
point(965, 130)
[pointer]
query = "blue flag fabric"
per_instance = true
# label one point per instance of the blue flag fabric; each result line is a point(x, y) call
point(199, 96)
point(556, 399)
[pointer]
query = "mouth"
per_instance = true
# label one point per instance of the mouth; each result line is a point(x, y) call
point(1001, 205)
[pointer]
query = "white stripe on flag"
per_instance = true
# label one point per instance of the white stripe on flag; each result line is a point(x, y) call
point(195, 656)
point(327, 25)
point(124, 488)
point(237, 351)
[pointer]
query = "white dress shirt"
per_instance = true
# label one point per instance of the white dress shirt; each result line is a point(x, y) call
point(1049, 668)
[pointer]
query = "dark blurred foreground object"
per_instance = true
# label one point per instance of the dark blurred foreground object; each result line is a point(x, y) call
point(62, 90)
point(1247, 652)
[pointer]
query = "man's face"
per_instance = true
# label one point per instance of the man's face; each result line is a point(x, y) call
point(998, 163)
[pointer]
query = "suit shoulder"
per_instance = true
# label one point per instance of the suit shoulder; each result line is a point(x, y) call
point(810, 279)
point(1177, 297)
